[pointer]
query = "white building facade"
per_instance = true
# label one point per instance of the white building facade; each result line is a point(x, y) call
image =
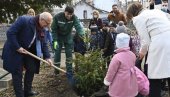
point(84, 10)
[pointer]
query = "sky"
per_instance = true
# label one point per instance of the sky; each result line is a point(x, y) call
point(105, 4)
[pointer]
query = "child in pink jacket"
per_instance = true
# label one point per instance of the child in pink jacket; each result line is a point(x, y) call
point(143, 82)
point(121, 77)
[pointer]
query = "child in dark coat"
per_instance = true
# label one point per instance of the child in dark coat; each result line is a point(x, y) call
point(79, 45)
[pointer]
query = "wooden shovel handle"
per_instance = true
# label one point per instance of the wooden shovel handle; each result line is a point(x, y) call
point(36, 57)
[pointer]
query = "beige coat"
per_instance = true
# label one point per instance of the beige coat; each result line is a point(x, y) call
point(153, 27)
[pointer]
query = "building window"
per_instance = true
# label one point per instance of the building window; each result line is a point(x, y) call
point(85, 14)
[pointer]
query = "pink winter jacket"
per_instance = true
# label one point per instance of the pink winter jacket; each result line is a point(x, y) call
point(143, 82)
point(121, 76)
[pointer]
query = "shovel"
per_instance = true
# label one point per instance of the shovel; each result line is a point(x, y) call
point(71, 80)
point(36, 57)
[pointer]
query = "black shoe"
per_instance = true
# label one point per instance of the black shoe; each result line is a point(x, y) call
point(31, 93)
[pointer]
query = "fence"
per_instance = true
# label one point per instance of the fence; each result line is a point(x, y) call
point(3, 29)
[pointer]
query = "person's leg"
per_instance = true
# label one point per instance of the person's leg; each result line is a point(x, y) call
point(17, 83)
point(107, 56)
point(68, 50)
point(30, 66)
point(57, 57)
point(155, 88)
point(75, 63)
point(168, 79)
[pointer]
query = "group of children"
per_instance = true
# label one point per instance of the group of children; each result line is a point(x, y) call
point(123, 77)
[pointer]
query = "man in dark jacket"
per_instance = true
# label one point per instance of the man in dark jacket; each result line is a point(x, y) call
point(109, 45)
point(26, 33)
point(110, 40)
point(62, 25)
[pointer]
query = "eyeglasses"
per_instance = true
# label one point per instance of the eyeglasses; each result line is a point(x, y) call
point(46, 22)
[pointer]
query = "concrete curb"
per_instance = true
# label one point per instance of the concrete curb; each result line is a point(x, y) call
point(6, 81)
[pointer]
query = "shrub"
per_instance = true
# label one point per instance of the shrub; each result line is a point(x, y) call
point(91, 70)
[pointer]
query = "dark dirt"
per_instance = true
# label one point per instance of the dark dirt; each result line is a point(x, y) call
point(47, 84)
point(50, 85)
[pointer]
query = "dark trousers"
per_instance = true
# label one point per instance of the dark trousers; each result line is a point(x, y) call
point(108, 55)
point(17, 83)
point(68, 51)
point(155, 87)
point(30, 66)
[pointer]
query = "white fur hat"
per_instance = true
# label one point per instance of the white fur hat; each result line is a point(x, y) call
point(122, 40)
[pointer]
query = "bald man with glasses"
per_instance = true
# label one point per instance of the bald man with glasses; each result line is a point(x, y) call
point(26, 33)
